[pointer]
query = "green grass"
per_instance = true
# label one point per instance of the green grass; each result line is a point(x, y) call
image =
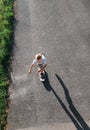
point(6, 20)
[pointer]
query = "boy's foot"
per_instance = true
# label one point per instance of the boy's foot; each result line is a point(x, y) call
point(42, 76)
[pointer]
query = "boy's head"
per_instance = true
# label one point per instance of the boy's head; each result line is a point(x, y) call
point(38, 57)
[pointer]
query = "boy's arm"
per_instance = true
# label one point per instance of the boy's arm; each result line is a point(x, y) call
point(43, 68)
point(30, 69)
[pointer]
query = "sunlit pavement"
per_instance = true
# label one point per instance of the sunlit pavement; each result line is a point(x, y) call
point(60, 29)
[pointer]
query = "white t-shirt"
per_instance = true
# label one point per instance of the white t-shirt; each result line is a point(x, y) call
point(43, 61)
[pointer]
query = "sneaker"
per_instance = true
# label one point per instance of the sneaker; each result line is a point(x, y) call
point(41, 77)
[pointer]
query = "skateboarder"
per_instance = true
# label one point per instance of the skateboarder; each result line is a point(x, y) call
point(40, 61)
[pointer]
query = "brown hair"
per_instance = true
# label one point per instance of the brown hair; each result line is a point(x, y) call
point(38, 56)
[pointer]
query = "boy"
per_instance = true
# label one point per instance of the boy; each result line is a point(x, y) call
point(40, 61)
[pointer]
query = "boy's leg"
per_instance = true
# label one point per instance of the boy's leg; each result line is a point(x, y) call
point(41, 74)
point(41, 71)
point(40, 66)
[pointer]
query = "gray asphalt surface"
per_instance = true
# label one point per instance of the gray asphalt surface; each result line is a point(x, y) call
point(60, 29)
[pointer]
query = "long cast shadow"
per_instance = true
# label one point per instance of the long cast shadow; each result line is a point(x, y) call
point(48, 87)
point(71, 105)
point(46, 83)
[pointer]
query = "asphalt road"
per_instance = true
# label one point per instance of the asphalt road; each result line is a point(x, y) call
point(60, 29)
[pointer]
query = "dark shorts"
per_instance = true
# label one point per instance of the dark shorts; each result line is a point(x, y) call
point(40, 65)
